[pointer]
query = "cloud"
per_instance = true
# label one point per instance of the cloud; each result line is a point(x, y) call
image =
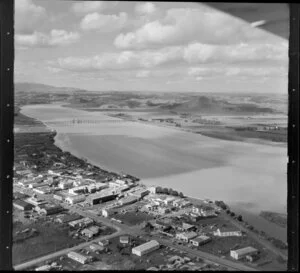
point(145, 8)
point(143, 74)
point(92, 6)
point(28, 16)
point(54, 38)
point(122, 60)
point(204, 53)
point(104, 22)
point(185, 25)
point(240, 71)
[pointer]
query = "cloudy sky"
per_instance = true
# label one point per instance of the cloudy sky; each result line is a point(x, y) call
point(145, 46)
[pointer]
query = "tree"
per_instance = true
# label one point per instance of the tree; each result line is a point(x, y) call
point(181, 195)
point(175, 193)
point(228, 211)
point(240, 218)
point(170, 190)
point(165, 190)
point(232, 214)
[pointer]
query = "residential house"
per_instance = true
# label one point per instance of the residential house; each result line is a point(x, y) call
point(186, 236)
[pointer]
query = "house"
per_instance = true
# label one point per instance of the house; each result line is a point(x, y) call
point(75, 199)
point(243, 252)
point(90, 231)
point(83, 222)
point(188, 227)
point(169, 200)
point(124, 240)
point(227, 232)
point(186, 236)
point(22, 205)
point(19, 195)
point(204, 210)
point(79, 257)
point(200, 240)
point(140, 193)
point(163, 210)
point(104, 242)
point(145, 248)
point(78, 190)
point(94, 247)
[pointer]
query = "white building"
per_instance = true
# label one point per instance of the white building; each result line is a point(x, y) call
point(145, 248)
point(227, 232)
point(75, 199)
point(200, 240)
point(186, 236)
point(79, 257)
point(243, 252)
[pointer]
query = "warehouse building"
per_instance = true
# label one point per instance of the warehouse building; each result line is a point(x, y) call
point(79, 257)
point(146, 248)
point(200, 240)
point(243, 252)
point(99, 198)
point(90, 231)
point(49, 210)
point(186, 236)
point(22, 205)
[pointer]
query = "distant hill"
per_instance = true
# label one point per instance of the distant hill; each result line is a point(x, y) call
point(204, 104)
point(43, 88)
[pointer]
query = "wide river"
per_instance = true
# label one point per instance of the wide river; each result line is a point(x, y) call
point(248, 176)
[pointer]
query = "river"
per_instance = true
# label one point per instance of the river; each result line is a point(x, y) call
point(199, 166)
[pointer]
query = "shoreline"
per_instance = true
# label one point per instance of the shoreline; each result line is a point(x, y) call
point(86, 160)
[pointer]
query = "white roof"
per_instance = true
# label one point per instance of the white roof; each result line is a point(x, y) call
point(146, 246)
point(245, 250)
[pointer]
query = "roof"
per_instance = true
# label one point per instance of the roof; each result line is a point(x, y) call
point(228, 229)
point(146, 246)
point(201, 238)
point(245, 250)
point(22, 203)
point(77, 255)
point(187, 226)
point(189, 235)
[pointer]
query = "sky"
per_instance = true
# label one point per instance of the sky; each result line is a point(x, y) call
point(145, 46)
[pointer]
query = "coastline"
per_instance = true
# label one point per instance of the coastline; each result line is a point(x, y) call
point(64, 147)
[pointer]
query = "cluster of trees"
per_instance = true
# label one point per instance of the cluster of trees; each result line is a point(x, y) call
point(232, 214)
point(221, 204)
point(169, 191)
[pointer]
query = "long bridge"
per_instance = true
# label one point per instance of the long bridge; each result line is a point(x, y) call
point(75, 122)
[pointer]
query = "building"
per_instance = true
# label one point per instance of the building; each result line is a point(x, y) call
point(227, 232)
point(145, 248)
point(124, 239)
point(153, 190)
point(163, 210)
point(187, 227)
point(208, 211)
point(49, 210)
point(99, 198)
point(58, 196)
point(90, 231)
point(128, 200)
point(83, 222)
point(22, 205)
point(66, 184)
point(19, 195)
point(140, 193)
point(79, 257)
point(66, 218)
point(42, 190)
point(200, 240)
point(243, 252)
point(94, 247)
point(104, 242)
point(36, 201)
point(75, 199)
point(186, 236)
point(78, 190)
point(169, 200)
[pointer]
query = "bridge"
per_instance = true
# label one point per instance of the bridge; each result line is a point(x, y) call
point(75, 122)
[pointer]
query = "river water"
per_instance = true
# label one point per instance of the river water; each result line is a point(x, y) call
point(199, 166)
